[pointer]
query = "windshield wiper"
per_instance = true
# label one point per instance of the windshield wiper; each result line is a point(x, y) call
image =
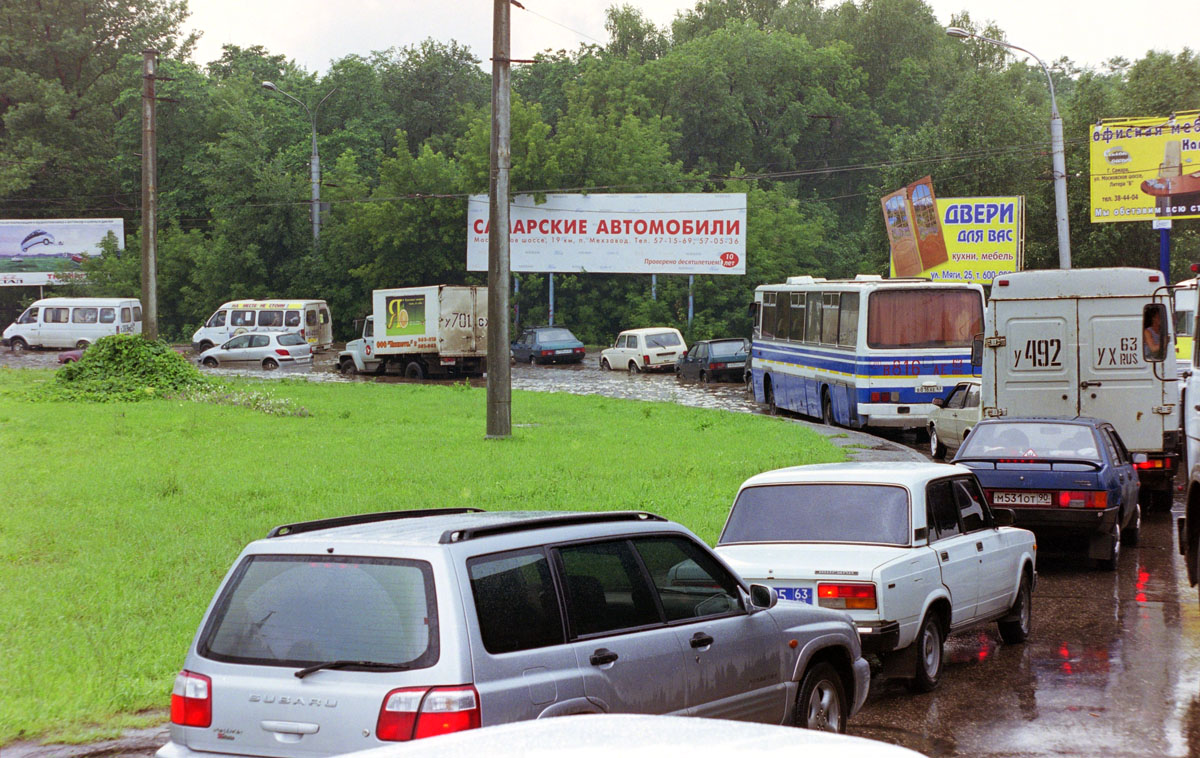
point(348, 664)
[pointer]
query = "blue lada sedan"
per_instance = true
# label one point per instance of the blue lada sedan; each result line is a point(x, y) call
point(1062, 477)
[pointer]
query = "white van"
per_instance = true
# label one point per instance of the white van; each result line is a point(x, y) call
point(73, 322)
point(310, 318)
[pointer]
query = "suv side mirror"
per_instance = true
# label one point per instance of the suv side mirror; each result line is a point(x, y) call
point(763, 597)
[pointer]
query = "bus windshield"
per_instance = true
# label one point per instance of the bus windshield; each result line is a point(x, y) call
point(913, 318)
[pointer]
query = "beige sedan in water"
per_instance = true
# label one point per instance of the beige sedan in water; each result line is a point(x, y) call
point(954, 418)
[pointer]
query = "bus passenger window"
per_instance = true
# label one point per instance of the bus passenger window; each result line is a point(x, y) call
point(768, 315)
point(829, 318)
point(812, 313)
point(797, 331)
point(848, 320)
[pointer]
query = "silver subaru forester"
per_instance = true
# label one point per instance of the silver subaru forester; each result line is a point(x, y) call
point(354, 632)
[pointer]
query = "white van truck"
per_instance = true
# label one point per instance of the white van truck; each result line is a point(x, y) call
point(434, 331)
point(73, 322)
point(310, 318)
point(1089, 342)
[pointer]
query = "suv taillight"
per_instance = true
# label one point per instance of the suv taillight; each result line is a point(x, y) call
point(191, 699)
point(1082, 499)
point(416, 712)
point(846, 596)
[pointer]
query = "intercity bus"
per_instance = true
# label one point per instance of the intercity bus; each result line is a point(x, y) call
point(863, 352)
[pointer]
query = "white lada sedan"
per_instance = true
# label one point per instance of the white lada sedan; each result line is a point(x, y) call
point(911, 551)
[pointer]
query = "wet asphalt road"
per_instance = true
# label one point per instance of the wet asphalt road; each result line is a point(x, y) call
point(1112, 667)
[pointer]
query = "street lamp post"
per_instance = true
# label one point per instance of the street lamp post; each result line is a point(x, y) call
point(1058, 157)
point(315, 162)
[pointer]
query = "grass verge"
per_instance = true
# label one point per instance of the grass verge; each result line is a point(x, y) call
point(119, 520)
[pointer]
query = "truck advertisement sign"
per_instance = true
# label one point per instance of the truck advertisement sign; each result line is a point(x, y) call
point(684, 233)
point(405, 315)
point(1145, 169)
point(50, 251)
point(983, 237)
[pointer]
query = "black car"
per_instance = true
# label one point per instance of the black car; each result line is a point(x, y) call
point(721, 360)
point(547, 344)
point(1062, 477)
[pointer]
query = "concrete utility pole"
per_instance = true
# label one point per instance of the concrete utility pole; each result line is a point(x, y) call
point(1057, 154)
point(314, 161)
point(149, 198)
point(499, 372)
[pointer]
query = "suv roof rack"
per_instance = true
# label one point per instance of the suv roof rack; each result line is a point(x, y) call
point(363, 518)
point(541, 522)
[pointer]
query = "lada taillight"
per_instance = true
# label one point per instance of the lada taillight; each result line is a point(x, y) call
point(1082, 499)
point(415, 712)
point(191, 699)
point(859, 597)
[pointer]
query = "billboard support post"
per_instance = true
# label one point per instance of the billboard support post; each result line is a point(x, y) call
point(551, 299)
point(654, 286)
point(149, 198)
point(691, 281)
point(499, 372)
point(1164, 253)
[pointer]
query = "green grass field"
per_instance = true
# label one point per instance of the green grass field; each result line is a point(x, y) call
point(119, 520)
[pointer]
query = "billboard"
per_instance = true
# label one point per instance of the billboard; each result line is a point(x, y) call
point(683, 233)
point(913, 230)
point(1144, 169)
point(47, 251)
point(983, 237)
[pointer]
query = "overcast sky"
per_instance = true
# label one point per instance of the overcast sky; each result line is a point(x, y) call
point(314, 32)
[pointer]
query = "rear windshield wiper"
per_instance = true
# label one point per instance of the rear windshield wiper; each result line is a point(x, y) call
point(351, 664)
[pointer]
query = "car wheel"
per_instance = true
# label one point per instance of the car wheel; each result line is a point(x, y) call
point(346, 365)
point(205, 345)
point(210, 362)
point(821, 704)
point(605, 365)
point(270, 364)
point(936, 449)
point(826, 409)
point(930, 644)
point(703, 377)
point(1016, 630)
point(414, 370)
point(82, 345)
point(1110, 563)
point(19, 344)
point(1133, 532)
point(532, 360)
point(634, 368)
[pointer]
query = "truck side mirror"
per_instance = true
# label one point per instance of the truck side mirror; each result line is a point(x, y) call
point(977, 351)
point(1154, 333)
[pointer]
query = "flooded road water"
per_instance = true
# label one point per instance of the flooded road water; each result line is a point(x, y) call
point(1112, 667)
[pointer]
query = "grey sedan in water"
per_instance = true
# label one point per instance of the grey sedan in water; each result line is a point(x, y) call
point(267, 349)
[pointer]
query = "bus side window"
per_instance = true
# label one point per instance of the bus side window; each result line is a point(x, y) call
point(783, 317)
point(812, 314)
point(768, 315)
point(797, 330)
point(829, 318)
point(848, 320)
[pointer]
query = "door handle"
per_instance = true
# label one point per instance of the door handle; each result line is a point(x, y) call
point(700, 639)
point(1089, 383)
point(603, 656)
point(979, 546)
point(945, 556)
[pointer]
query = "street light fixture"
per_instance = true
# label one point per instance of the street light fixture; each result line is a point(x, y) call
point(315, 162)
point(1056, 147)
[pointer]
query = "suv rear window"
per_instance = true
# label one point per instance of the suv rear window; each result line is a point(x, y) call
point(298, 610)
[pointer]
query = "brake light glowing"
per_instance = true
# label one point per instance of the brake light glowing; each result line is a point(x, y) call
point(1082, 499)
point(416, 712)
point(846, 596)
point(191, 700)
point(1151, 463)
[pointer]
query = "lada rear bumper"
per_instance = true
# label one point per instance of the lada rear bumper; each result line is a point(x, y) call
point(878, 637)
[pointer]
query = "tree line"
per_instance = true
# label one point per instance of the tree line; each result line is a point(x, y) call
point(813, 109)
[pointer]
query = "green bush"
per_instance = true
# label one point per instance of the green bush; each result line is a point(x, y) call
point(124, 368)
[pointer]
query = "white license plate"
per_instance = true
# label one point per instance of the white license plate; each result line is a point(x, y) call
point(1021, 498)
point(568, 351)
point(928, 388)
point(799, 594)
point(736, 364)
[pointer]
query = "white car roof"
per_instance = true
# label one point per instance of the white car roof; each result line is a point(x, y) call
point(651, 330)
point(637, 736)
point(911, 474)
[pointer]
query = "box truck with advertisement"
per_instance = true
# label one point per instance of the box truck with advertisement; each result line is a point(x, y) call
point(436, 331)
point(1089, 342)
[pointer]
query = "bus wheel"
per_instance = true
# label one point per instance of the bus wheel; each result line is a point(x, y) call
point(826, 409)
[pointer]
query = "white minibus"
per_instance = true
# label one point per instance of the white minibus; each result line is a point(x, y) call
point(73, 322)
point(309, 318)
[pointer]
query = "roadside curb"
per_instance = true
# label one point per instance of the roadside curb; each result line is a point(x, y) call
point(863, 447)
point(135, 742)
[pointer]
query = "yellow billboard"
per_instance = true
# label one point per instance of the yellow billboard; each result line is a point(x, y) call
point(984, 237)
point(1146, 168)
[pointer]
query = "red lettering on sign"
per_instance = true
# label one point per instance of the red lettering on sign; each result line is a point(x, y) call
point(729, 259)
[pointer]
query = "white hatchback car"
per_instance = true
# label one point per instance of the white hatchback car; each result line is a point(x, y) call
point(637, 350)
point(267, 349)
point(911, 551)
